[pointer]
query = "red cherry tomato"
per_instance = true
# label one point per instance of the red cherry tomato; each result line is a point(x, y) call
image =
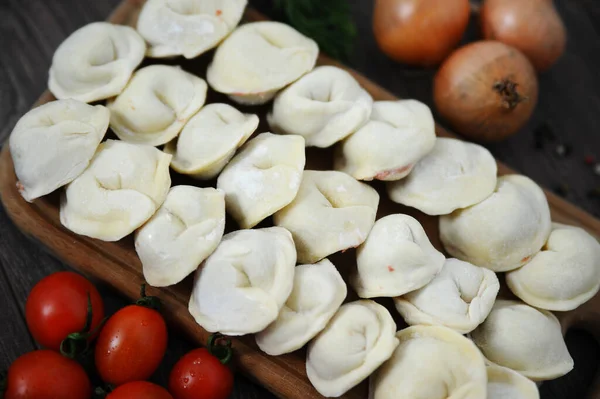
point(131, 345)
point(201, 375)
point(139, 390)
point(58, 305)
point(46, 374)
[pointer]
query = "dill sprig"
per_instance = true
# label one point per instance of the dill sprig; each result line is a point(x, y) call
point(328, 22)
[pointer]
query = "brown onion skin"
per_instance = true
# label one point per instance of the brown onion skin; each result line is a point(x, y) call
point(419, 32)
point(532, 26)
point(465, 96)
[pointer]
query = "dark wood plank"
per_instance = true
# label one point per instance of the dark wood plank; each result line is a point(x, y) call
point(14, 336)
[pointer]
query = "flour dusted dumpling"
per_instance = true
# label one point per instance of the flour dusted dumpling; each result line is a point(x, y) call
point(431, 362)
point(53, 144)
point(455, 174)
point(459, 297)
point(324, 106)
point(359, 338)
point(504, 383)
point(263, 177)
point(331, 212)
point(258, 59)
point(524, 339)
point(396, 258)
point(564, 275)
point(184, 231)
point(121, 189)
point(156, 104)
point(317, 294)
point(95, 62)
point(504, 231)
point(398, 134)
point(187, 27)
point(243, 285)
point(209, 140)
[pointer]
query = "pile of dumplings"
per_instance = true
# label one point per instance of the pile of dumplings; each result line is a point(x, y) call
point(277, 282)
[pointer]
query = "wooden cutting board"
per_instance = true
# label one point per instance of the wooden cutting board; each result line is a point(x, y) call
point(118, 265)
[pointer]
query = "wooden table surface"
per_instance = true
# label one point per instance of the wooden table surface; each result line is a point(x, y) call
point(569, 103)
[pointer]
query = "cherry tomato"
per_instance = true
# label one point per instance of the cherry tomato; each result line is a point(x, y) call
point(45, 374)
point(139, 390)
point(201, 375)
point(58, 306)
point(131, 345)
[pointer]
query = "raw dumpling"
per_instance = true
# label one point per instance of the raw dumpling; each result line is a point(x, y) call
point(524, 339)
point(95, 62)
point(455, 174)
point(184, 231)
point(431, 362)
point(156, 104)
point(324, 106)
point(263, 177)
point(260, 58)
point(317, 294)
point(396, 258)
point(359, 338)
point(331, 212)
point(53, 144)
point(121, 189)
point(564, 275)
point(504, 383)
point(209, 140)
point(459, 297)
point(398, 134)
point(243, 285)
point(187, 27)
point(504, 231)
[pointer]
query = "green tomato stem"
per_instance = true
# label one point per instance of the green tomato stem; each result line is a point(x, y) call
point(151, 302)
point(78, 343)
point(220, 347)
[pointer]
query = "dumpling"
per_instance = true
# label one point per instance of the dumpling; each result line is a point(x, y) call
point(359, 338)
point(243, 285)
point(209, 140)
point(187, 27)
point(184, 231)
point(431, 362)
point(156, 104)
point(455, 174)
point(121, 189)
point(524, 339)
point(396, 258)
point(95, 62)
point(53, 144)
point(263, 177)
point(504, 231)
point(504, 383)
point(331, 212)
point(460, 297)
point(398, 134)
point(318, 293)
point(324, 106)
point(564, 275)
point(258, 59)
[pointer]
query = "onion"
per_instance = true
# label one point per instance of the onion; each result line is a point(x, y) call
point(420, 32)
point(532, 26)
point(486, 90)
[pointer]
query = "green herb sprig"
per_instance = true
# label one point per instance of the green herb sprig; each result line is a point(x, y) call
point(328, 22)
